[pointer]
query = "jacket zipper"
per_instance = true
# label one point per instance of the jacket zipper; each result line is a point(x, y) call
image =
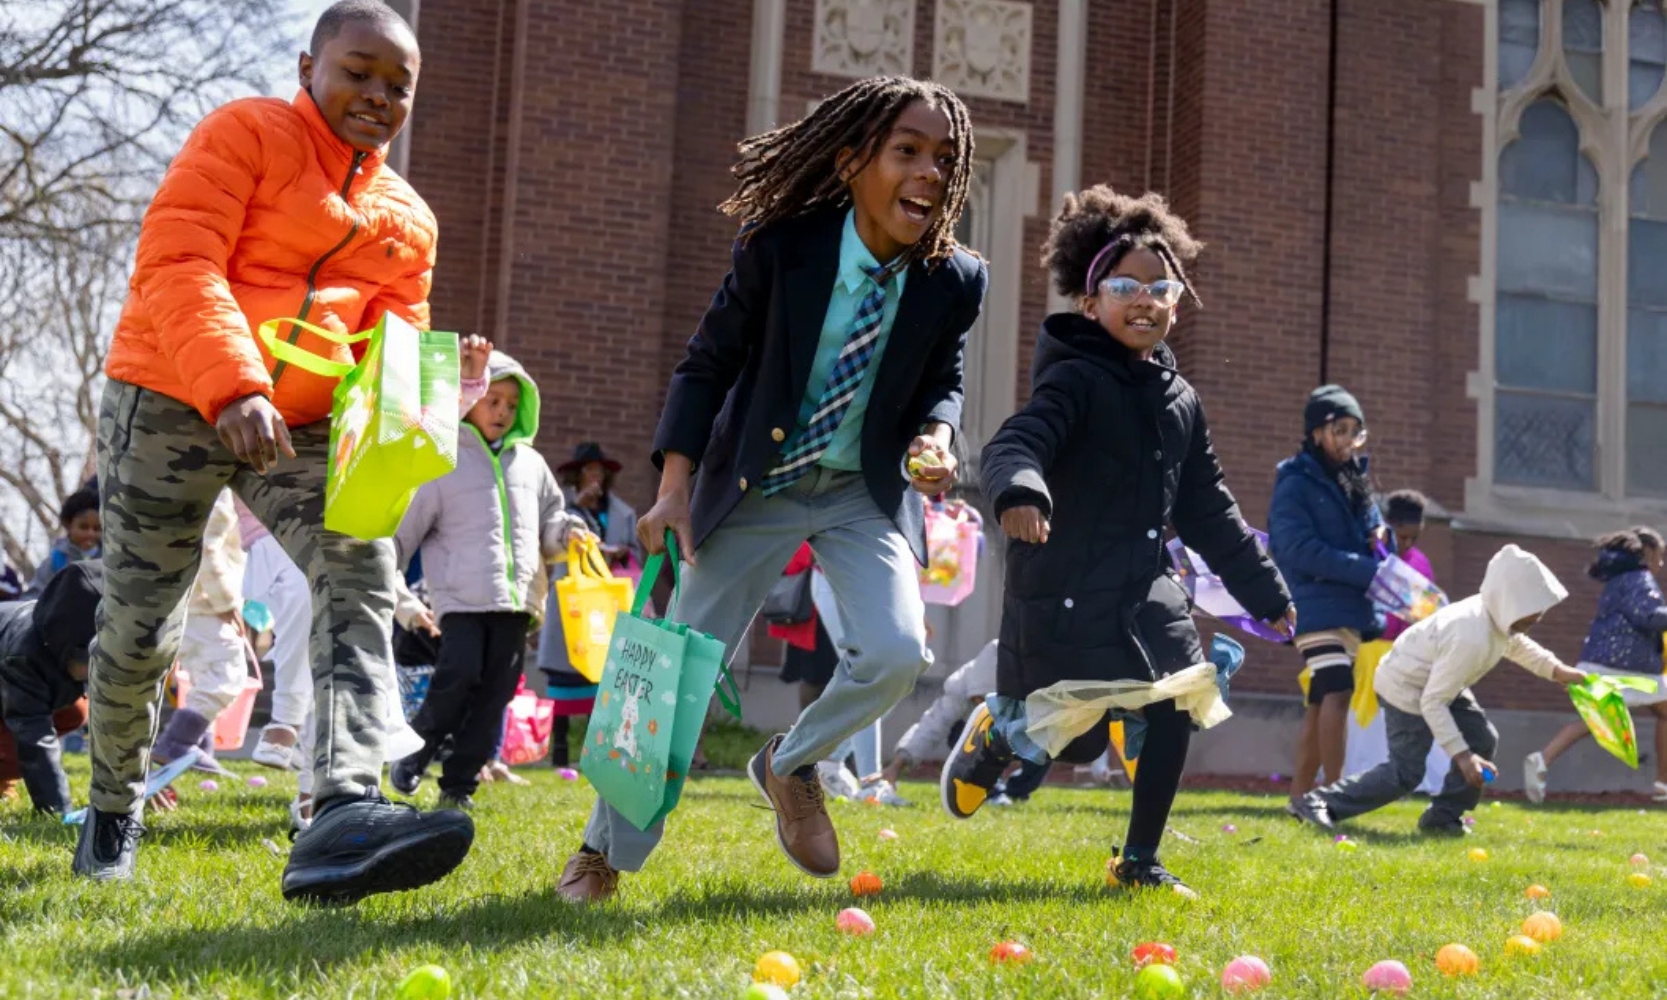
point(503, 505)
point(312, 274)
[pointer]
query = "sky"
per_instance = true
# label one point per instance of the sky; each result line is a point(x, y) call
point(284, 50)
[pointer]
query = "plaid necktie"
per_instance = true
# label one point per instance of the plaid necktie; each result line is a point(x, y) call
point(811, 442)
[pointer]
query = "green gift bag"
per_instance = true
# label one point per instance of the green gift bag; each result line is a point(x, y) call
point(393, 423)
point(1601, 705)
point(651, 705)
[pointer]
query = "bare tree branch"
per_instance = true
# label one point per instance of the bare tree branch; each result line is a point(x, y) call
point(95, 98)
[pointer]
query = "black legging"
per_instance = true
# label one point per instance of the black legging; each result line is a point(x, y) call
point(1163, 757)
point(1162, 760)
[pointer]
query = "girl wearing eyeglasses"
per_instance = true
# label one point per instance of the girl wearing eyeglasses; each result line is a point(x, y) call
point(1323, 526)
point(1111, 451)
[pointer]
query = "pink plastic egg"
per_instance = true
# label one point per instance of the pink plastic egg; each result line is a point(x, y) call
point(209, 785)
point(256, 781)
point(1245, 974)
point(568, 774)
point(1388, 976)
point(855, 922)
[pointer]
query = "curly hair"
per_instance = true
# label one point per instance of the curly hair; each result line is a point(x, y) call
point(76, 504)
point(1099, 219)
point(1405, 507)
point(794, 169)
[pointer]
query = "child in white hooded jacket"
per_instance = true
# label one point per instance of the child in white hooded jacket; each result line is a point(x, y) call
point(1423, 685)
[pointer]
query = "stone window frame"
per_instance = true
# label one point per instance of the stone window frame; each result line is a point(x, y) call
point(1614, 139)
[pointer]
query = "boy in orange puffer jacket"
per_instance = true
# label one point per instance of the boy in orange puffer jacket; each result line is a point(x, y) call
point(273, 209)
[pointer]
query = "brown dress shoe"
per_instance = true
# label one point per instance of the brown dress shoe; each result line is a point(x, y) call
point(587, 879)
point(803, 829)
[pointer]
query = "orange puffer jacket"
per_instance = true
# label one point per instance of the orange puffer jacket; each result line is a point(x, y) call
point(266, 214)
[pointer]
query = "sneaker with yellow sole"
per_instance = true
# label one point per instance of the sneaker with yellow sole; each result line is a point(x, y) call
point(978, 760)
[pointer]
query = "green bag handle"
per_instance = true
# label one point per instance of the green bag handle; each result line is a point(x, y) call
point(728, 692)
point(300, 357)
point(1598, 685)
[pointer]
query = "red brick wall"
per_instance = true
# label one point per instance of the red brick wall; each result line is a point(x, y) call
point(629, 116)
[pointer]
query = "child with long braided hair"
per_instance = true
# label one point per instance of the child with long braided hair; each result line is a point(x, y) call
point(1111, 448)
point(818, 402)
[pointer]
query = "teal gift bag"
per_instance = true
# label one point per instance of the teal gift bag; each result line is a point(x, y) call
point(651, 705)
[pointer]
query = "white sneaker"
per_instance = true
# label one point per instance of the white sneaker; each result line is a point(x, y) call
point(837, 780)
point(880, 790)
point(298, 822)
point(276, 755)
point(1001, 800)
point(1533, 777)
point(1101, 770)
point(1660, 792)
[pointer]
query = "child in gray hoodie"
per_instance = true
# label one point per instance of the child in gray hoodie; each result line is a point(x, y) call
point(485, 530)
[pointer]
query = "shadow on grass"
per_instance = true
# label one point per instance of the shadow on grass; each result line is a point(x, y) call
point(324, 938)
point(197, 830)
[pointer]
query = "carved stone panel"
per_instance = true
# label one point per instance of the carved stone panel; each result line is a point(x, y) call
point(858, 38)
point(981, 48)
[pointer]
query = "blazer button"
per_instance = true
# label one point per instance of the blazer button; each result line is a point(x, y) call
point(743, 484)
point(778, 435)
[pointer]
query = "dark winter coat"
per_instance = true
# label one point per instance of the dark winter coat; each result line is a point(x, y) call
point(1323, 548)
point(38, 641)
point(1112, 449)
point(1626, 634)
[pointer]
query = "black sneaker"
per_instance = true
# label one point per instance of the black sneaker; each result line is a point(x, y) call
point(108, 844)
point(1440, 828)
point(406, 773)
point(463, 801)
point(1144, 875)
point(359, 847)
point(1311, 809)
point(975, 764)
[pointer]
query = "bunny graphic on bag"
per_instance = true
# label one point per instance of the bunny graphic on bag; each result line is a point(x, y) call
point(626, 738)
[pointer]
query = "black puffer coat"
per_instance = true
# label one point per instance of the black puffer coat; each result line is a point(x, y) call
point(1112, 449)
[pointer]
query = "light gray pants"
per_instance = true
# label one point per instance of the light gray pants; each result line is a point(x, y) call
point(873, 573)
point(1396, 778)
point(928, 739)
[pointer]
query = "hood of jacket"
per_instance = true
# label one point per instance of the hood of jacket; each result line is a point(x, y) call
point(525, 428)
point(64, 616)
point(1518, 585)
point(1067, 337)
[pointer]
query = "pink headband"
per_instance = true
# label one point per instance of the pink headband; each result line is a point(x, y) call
point(1093, 265)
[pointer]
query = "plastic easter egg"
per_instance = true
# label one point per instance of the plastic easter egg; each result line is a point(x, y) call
point(866, 884)
point(425, 982)
point(888, 834)
point(1469, 821)
point(1159, 982)
point(1388, 976)
point(776, 967)
point(1537, 892)
point(1348, 845)
point(1639, 861)
point(764, 991)
point(1010, 953)
point(1152, 952)
point(1543, 927)
point(568, 774)
point(1638, 880)
point(1522, 946)
point(1457, 960)
point(854, 922)
point(1229, 828)
point(209, 785)
point(1478, 854)
point(1245, 974)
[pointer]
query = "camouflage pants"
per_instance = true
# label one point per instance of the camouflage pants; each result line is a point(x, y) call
point(160, 468)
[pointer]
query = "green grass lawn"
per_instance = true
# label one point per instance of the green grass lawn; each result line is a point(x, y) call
point(205, 917)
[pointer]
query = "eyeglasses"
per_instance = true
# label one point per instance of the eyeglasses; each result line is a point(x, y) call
point(1342, 432)
point(1164, 293)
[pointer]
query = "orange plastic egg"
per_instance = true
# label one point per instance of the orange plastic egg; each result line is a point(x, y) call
point(1457, 960)
point(866, 884)
point(1543, 927)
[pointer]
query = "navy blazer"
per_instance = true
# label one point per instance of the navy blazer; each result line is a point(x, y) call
point(734, 400)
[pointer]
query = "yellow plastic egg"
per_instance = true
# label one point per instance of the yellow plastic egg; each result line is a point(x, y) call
point(1638, 880)
point(777, 967)
point(1522, 945)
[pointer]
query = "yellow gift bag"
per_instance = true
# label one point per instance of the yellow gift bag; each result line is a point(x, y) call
point(590, 597)
point(393, 422)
